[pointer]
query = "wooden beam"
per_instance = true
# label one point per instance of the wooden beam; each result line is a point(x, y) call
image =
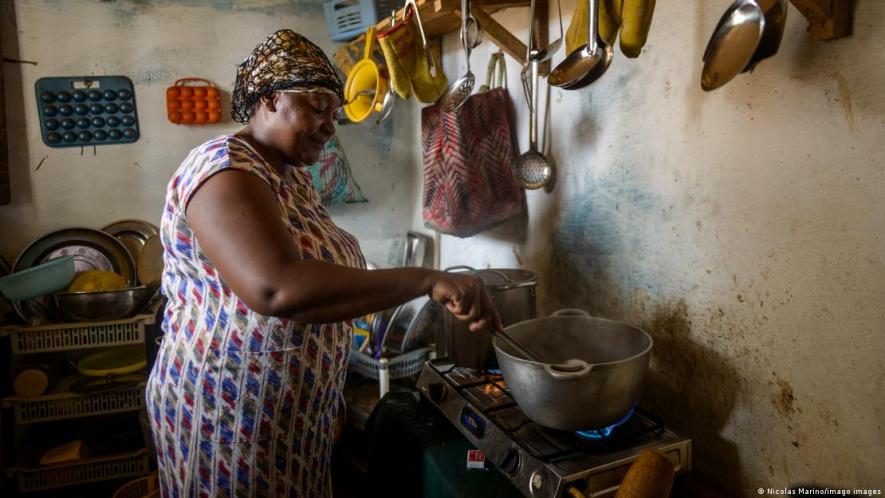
point(5, 190)
point(827, 19)
point(500, 36)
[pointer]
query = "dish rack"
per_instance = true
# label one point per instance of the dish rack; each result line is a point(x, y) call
point(387, 369)
point(346, 19)
point(129, 464)
point(26, 411)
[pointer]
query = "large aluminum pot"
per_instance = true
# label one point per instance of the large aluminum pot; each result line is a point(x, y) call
point(600, 384)
point(513, 291)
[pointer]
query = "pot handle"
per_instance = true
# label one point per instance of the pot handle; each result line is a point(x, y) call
point(460, 267)
point(570, 370)
point(570, 312)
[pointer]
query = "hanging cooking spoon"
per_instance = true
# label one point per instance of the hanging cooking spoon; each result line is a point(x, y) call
point(547, 52)
point(775, 12)
point(733, 43)
point(461, 88)
point(587, 63)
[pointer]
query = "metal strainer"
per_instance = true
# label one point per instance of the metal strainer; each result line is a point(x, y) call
point(533, 171)
point(461, 88)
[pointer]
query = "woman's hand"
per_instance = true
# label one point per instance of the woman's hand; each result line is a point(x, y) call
point(466, 297)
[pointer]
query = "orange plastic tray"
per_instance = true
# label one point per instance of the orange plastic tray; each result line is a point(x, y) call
point(193, 104)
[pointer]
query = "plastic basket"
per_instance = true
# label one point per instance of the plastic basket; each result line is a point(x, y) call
point(347, 19)
point(69, 405)
point(39, 280)
point(400, 366)
point(83, 471)
point(145, 487)
point(68, 336)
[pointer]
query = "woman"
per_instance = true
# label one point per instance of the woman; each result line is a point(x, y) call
point(245, 393)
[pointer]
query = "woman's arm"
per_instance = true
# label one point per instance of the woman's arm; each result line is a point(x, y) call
point(236, 220)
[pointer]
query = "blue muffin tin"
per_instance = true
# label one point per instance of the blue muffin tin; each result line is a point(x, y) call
point(77, 111)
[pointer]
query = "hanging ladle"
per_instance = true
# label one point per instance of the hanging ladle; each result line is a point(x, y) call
point(587, 63)
point(733, 43)
point(547, 52)
point(461, 88)
point(775, 12)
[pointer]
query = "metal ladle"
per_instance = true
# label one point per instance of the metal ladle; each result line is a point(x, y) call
point(525, 353)
point(461, 88)
point(587, 63)
point(775, 12)
point(733, 43)
point(547, 52)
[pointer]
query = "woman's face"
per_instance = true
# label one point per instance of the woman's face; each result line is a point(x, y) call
point(301, 123)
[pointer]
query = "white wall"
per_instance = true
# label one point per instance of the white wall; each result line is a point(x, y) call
point(742, 228)
point(154, 43)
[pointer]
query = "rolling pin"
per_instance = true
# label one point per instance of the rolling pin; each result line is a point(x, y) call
point(650, 476)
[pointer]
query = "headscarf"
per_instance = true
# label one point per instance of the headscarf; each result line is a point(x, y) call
point(285, 61)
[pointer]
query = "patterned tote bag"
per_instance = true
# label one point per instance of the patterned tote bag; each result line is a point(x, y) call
point(332, 178)
point(469, 160)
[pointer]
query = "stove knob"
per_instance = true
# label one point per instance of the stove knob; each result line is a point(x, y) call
point(510, 463)
point(536, 483)
point(436, 391)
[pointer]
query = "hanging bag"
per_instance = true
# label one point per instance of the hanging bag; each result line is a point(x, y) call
point(469, 159)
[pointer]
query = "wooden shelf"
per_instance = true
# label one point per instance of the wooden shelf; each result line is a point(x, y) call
point(827, 19)
point(440, 17)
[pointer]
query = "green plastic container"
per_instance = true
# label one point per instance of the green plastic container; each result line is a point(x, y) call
point(39, 280)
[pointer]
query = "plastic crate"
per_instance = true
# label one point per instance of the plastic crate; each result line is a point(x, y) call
point(69, 405)
point(69, 336)
point(387, 369)
point(84, 471)
point(347, 19)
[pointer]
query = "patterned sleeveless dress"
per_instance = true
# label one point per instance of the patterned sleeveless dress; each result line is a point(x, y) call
point(243, 404)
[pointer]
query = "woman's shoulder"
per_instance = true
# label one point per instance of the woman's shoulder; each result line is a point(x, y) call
point(223, 152)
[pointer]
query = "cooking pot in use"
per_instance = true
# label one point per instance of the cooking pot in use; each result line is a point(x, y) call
point(513, 291)
point(595, 372)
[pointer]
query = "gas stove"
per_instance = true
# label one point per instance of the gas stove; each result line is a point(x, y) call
point(542, 462)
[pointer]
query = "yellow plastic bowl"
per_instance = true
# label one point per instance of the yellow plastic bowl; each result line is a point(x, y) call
point(117, 361)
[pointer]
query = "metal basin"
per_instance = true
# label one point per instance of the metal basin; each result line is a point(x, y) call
point(101, 306)
point(595, 375)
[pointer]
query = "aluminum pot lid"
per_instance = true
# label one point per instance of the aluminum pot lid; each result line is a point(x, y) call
point(500, 278)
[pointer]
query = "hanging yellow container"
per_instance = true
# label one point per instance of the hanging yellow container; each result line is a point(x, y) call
point(366, 85)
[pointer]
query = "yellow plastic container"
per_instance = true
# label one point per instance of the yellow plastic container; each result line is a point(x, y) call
point(364, 78)
point(117, 361)
point(97, 281)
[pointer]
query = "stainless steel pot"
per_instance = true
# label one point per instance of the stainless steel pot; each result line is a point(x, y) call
point(595, 375)
point(513, 291)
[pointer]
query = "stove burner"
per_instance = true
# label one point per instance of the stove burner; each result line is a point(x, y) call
point(605, 432)
point(482, 408)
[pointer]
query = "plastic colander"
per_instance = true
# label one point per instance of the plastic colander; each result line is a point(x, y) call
point(39, 280)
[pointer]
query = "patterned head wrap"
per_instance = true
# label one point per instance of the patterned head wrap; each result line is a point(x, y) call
point(285, 61)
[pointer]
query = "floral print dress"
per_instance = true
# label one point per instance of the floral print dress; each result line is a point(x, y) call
point(243, 404)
